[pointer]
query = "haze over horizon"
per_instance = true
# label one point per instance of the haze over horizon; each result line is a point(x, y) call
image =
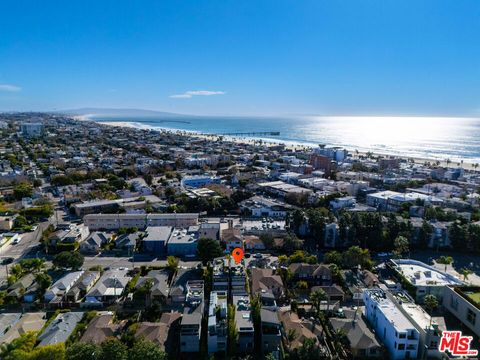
point(376, 58)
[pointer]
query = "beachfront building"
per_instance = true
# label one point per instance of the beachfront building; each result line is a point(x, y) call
point(393, 328)
point(424, 278)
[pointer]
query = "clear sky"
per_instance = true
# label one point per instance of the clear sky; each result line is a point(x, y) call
point(349, 57)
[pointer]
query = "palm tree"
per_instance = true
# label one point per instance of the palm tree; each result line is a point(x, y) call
point(147, 286)
point(465, 273)
point(317, 297)
point(444, 260)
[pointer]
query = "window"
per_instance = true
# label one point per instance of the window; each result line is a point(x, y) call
point(471, 316)
point(403, 336)
point(401, 346)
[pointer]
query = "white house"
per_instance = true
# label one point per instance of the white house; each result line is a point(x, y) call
point(61, 286)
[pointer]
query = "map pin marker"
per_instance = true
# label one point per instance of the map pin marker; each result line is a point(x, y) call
point(237, 254)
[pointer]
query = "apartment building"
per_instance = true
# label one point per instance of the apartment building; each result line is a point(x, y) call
point(394, 329)
point(217, 322)
point(140, 221)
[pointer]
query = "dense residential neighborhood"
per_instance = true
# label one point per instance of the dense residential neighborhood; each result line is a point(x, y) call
point(117, 241)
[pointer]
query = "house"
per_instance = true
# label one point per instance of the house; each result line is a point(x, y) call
point(60, 328)
point(363, 342)
point(101, 328)
point(334, 293)
point(127, 242)
point(159, 280)
point(156, 239)
point(314, 274)
point(8, 320)
point(108, 288)
point(232, 236)
point(264, 280)
point(253, 243)
point(6, 222)
point(178, 289)
point(270, 332)
point(300, 329)
point(94, 243)
point(60, 288)
point(17, 290)
point(28, 322)
point(82, 286)
point(162, 332)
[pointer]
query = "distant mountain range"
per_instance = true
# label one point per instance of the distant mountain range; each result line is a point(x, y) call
point(119, 112)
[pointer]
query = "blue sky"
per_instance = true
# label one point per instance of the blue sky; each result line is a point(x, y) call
point(383, 57)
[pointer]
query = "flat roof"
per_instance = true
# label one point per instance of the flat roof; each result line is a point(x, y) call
point(421, 274)
point(398, 320)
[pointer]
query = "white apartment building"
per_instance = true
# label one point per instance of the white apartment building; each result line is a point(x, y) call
point(394, 329)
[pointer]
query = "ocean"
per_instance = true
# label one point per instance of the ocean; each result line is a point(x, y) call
point(454, 138)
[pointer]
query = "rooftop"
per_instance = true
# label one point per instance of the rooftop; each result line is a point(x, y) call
point(421, 274)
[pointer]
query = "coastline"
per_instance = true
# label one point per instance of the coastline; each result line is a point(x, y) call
point(468, 165)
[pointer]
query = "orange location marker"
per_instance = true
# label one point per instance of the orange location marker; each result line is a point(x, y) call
point(237, 254)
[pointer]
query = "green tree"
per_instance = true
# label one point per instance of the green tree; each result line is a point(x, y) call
point(146, 350)
point(232, 331)
point(444, 260)
point(112, 348)
point(465, 273)
point(68, 260)
point(333, 257)
point(82, 351)
point(401, 246)
point(172, 263)
point(44, 281)
point(355, 256)
point(317, 297)
point(22, 190)
point(431, 303)
point(208, 249)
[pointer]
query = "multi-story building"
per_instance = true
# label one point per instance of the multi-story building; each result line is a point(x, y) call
point(463, 302)
point(183, 242)
point(425, 278)
point(394, 329)
point(191, 324)
point(32, 129)
point(271, 332)
point(140, 221)
point(244, 323)
point(217, 322)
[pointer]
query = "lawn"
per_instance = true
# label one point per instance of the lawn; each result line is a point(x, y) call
point(474, 296)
